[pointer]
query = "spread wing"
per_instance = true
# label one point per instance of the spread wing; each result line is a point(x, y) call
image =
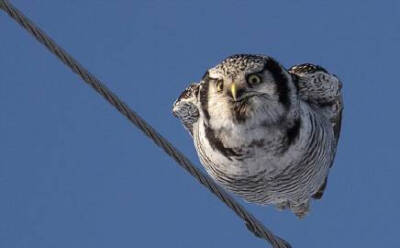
point(323, 90)
point(185, 107)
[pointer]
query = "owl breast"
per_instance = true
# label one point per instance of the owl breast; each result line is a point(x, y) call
point(264, 164)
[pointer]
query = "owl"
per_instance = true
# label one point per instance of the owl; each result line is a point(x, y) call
point(265, 133)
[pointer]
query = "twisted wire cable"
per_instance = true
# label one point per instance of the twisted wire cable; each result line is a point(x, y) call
point(255, 226)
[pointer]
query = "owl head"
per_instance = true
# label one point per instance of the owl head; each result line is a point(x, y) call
point(247, 89)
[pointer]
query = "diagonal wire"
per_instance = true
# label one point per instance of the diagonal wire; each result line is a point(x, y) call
point(251, 222)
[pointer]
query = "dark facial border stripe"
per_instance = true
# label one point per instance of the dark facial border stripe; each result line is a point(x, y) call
point(204, 95)
point(281, 81)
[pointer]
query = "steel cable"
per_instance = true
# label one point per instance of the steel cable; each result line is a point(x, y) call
point(251, 222)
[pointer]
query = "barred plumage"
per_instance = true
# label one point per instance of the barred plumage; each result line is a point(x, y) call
point(265, 133)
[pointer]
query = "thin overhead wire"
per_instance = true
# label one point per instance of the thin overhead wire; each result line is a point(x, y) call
point(251, 222)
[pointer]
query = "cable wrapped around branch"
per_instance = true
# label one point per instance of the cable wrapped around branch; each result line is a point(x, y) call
point(251, 222)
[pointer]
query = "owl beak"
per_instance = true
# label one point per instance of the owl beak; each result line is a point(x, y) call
point(233, 91)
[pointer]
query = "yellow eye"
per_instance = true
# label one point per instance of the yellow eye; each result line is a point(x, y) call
point(254, 79)
point(220, 85)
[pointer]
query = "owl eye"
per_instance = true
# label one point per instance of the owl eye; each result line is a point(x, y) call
point(220, 85)
point(254, 79)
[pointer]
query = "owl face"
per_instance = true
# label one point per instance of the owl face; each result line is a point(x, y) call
point(244, 87)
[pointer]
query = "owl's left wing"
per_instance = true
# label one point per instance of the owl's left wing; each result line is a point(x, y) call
point(186, 108)
point(321, 89)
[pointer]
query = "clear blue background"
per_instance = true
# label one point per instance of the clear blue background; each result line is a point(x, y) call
point(75, 173)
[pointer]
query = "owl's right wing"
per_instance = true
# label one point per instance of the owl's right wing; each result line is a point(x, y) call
point(186, 107)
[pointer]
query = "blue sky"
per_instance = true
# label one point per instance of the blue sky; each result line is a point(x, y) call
point(75, 173)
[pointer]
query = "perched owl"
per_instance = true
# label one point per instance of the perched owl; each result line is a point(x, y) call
point(263, 132)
